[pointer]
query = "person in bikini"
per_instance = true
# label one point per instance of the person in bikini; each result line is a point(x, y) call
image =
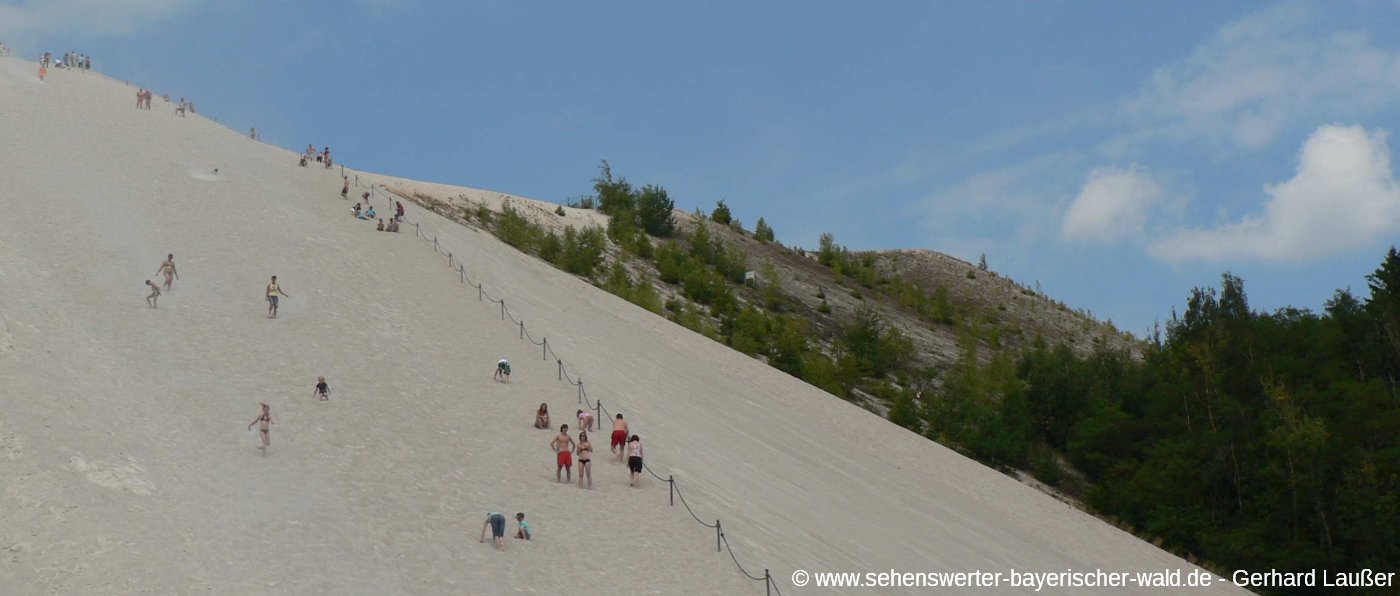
point(273, 291)
point(168, 269)
point(497, 523)
point(618, 443)
point(154, 295)
point(563, 446)
point(585, 419)
point(322, 391)
point(542, 416)
point(264, 420)
point(634, 460)
point(585, 459)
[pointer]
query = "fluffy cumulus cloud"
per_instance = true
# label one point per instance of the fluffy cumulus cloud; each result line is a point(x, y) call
point(1113, 205)
point(1343, 198)
point(31, 18)
point(1257, 76)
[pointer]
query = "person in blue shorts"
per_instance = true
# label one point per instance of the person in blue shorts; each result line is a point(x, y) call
point(497, 523)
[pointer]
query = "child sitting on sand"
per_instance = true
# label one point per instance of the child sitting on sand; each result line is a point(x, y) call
point(522, 531)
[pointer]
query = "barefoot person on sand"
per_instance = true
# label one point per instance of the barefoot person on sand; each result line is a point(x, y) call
point(634, 460)
point(263, 420)
point(154, 295)
point(345, 190)
point(563, 445)
point(322, 391)
point(502, 371)
point(497, 523)
point(585, 419)
point(522, 529)
point(585, 459)
point(168, 269)
point(542, 416)
point(273, 291)
point(618, 443)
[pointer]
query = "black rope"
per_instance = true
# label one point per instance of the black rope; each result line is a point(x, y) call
point(511, 317)
point(648, 469)
point(687, 508)
point(725, 540)
point(774, 583)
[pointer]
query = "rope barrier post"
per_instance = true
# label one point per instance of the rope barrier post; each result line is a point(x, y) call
point(580, 390)
point(767, 583)
point(435, 246)
point(599, 416)
point(449, 261)
point(463, 271)
point(719, 534)
point(479, 291)
point(544, 351)
point(503, 309)
point(417, 230)
point(671, 480)
point(561, 369)
point(522, 330)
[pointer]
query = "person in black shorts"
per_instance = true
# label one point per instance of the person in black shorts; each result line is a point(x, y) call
point(323, 391)
point(634, 460)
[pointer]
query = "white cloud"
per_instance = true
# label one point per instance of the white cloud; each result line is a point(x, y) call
point(1343, 197)
point(1113, 205)
point(1257, 76)
point(31, 18)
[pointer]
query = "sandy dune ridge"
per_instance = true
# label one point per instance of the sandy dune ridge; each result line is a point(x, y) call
point(127, 467)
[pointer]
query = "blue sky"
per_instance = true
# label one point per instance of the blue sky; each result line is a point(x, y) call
point(1119, 153)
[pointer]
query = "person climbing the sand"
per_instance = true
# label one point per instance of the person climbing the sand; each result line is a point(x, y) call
point(154, 295)
point(345, 189)
point(398, 213)
point(585, 419)
point(563, 445)
point(522, 527)
point(263, 421)
point(497, 523)
point(542, 416)
point(273, 292)
point(167, 268)
point(502, 371)
point(585, 459)
point(618, 442)
point(634, 460)
point(322, 391)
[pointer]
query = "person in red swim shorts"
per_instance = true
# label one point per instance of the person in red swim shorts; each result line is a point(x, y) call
point(619, 437)
point(563, 445)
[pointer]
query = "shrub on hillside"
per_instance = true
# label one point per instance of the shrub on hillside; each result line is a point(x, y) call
point(762, 231)
point(721, 214)
point(654, 211)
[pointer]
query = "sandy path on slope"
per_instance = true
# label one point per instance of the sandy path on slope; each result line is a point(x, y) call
point(126, 425)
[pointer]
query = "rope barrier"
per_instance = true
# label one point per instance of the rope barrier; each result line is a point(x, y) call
point(736, 560)
point(721, 539)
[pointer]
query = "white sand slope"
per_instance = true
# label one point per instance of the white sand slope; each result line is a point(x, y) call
point(125, 465)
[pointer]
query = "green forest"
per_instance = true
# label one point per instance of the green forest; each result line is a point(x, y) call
point(1244, 439)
